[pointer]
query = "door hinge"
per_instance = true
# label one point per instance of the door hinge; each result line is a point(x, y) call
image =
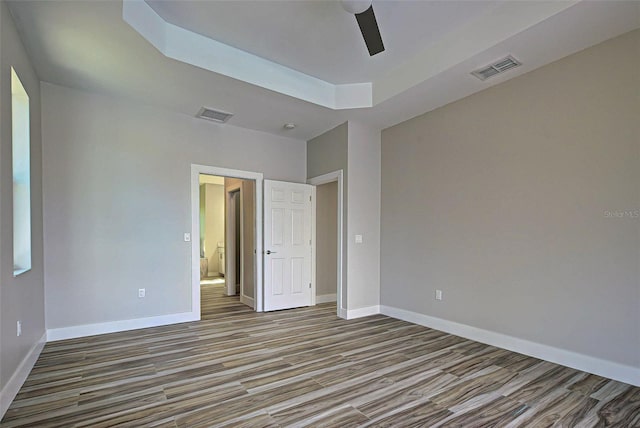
point(309, 198)
point(309, 285)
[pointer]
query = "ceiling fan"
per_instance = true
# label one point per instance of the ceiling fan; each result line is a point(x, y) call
point(363, 10)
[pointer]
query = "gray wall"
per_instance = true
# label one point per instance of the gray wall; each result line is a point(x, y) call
point(327, 153)
point(21, 298)
point(117, 201)
point(354, 148)
point(363, 271)
point(500, 200)
point(326, 238)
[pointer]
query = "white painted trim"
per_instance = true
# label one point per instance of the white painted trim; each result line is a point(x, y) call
point(192, 48)
point(317, 181)
point(196, 170)
point(85, 330)
point(363, 312)
point(249, 301)
point(326, 298)
point(313, 246)
point(241, 252)
point(609, 369)
point(258, 290)
point(10, 390)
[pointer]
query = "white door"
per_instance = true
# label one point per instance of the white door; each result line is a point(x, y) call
point(287, 245)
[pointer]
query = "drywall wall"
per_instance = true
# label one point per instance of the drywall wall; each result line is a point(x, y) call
point(328, 153)
point(214, 224)
point(521, 203)
point(326, 238)
point(363, 217)
point(354, 148)
point(22, 297)
point(117, 201)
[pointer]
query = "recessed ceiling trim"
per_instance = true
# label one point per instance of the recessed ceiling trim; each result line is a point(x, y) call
point(192, 48)
point(504, 22)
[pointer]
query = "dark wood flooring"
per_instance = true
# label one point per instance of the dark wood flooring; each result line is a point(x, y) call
point(306, 367)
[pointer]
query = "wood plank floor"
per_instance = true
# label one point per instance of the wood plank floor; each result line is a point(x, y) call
point(306, 367)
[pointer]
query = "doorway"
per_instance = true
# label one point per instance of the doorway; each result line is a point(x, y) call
point(240, 218)
point(329, 241)
point(326, 242)
point(212, 242)
point(257, 225)
point(225, 254)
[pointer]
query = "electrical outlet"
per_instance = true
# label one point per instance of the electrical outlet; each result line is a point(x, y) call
point(18, 328)
point(142, 292)
point(438, 294)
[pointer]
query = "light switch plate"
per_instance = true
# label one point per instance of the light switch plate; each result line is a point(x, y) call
point(358, 239)
point(187, 237)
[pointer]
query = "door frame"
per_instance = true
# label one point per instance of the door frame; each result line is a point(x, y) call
point(258, 177)
point(317, 181)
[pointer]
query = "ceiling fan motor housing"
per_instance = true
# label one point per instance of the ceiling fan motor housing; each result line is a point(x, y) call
point(356, 6)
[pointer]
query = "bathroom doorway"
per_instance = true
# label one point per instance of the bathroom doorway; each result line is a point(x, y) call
point(226, 243)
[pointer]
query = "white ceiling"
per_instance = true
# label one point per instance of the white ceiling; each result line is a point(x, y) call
point(88, 45)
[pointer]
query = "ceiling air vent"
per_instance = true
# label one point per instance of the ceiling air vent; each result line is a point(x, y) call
point(213, 115)
point(496, 68)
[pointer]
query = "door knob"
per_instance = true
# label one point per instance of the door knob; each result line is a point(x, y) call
point(271, 252)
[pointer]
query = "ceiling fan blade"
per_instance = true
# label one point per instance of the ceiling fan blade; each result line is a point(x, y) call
point(370, 31)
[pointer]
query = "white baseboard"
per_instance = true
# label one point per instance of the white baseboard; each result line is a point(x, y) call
point(363, 312)
point(249, 301)
point(10, 390)
point(609, 369)
point(115, 326)
point(326, 298)
point(342, 313)
point(213, 273)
